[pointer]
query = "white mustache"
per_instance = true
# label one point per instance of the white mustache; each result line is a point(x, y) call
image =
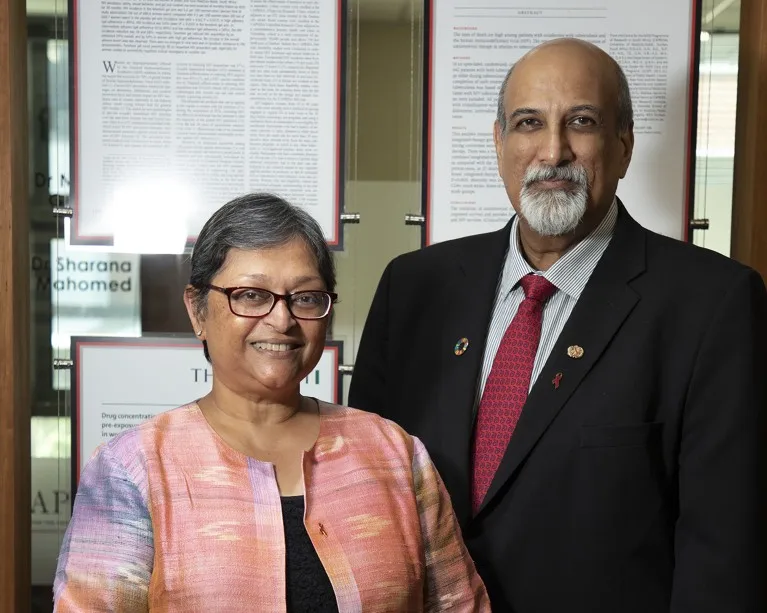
point(573, 174)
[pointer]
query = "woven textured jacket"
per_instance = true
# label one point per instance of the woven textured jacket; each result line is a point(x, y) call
point(169, 518)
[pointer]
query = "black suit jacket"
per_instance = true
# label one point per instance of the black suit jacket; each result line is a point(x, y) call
point(635, 485)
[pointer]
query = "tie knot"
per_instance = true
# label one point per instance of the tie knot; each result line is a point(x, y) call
point(537, 287)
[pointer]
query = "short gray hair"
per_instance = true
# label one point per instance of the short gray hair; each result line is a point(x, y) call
point(251, 222)
point(625, 113)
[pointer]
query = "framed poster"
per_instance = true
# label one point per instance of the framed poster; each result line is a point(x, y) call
point(471, 46)
point(120, 382)
point(177, 107)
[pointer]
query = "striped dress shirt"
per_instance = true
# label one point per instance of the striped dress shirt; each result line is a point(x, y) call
point(569, 274)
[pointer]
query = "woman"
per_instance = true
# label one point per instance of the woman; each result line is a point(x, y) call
point(255, 498)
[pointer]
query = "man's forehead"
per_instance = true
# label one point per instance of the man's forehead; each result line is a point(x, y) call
point(563, 82)
point(560, 96)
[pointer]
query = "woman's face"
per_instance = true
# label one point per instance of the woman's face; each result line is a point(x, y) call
point(264, 357)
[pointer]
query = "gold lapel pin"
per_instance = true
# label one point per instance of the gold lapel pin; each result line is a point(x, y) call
point(461, 346)
point(575, 351)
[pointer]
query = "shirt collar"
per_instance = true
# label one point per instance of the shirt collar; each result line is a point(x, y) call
point(571, 272)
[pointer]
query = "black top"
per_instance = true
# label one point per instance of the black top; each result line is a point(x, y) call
point(308, 589)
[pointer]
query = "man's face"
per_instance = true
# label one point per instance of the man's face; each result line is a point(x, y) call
point(561, 155)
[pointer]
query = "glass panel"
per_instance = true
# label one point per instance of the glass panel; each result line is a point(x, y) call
point(717, 99)
point(48, 86)
point(72, 286)
point(384, 111)
point(383, 165)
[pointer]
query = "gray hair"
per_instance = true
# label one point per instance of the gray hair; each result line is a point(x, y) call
point(625, 114)
point(250, 222)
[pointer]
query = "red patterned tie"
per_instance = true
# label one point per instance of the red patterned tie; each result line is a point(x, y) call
point(507, 385)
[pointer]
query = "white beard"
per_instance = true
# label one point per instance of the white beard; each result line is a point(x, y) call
point(554, 212)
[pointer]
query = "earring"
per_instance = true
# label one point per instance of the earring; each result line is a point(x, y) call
point(199, 332)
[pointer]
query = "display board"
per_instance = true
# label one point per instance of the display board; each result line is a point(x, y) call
point(472, 45)
point(180, 106)
point(120, 382)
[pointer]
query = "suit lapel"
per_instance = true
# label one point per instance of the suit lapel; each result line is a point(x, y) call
point(468, 302)
point(598, 315)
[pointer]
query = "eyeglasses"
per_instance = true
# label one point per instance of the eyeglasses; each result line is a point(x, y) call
point(257, 302)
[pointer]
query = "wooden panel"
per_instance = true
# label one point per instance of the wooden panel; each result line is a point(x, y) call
point(749, 210)
point(15, 528)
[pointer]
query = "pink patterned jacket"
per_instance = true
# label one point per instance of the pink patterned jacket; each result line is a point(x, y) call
point(169, 518)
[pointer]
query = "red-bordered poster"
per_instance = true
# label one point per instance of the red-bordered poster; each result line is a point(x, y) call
point(180, 106)
point(118, 383)
point(470, 47)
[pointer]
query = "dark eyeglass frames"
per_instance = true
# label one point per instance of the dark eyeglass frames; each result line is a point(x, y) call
point(258, 302)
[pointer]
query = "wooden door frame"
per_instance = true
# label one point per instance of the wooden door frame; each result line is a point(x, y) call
point(749, 202)
point(15, 460)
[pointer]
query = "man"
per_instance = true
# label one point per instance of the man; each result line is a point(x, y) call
point(592, 393)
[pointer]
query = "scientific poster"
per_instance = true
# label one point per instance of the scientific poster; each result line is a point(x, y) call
point(472, 45)
point(180, 106)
